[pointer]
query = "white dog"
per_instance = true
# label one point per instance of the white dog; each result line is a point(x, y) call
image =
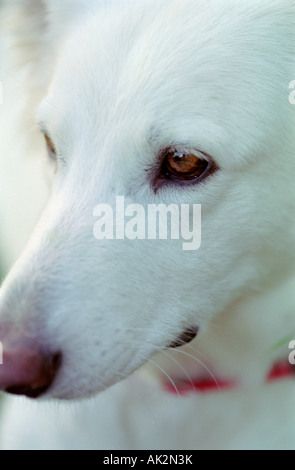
point(159, 101)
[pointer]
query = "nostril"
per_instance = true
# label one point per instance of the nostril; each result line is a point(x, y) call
point(52, 364)
point(40, 375)
point(55, 362)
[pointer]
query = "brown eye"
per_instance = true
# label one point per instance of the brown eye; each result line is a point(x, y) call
point(50, 145)
point(184, 166)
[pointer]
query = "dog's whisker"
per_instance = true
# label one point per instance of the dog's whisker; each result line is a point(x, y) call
point(197, 351)
point(180, 367)
point(202, 364)
point(167, 375)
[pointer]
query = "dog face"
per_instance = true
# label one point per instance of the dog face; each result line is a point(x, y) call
point(125, 96)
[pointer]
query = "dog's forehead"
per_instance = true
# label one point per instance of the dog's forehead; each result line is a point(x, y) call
point(167, 68)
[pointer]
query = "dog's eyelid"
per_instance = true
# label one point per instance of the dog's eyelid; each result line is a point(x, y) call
point(53, 151)
point(56, 156)
point(42, 127)
point(185, 149)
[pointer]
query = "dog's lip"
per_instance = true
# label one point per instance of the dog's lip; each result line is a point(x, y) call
point(185, 337)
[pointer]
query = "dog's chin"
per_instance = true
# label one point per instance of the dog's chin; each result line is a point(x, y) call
point(69, 391)
point(68, 387)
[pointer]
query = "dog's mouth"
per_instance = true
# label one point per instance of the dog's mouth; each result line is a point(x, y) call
point(185, 337)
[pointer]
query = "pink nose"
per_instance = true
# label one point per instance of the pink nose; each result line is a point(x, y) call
point(26, 370)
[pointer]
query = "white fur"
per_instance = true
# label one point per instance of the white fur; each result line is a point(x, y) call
point(114, 82)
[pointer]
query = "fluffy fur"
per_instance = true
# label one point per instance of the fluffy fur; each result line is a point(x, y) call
point(114, 88)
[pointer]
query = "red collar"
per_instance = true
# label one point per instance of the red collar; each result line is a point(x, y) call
point(280, 371)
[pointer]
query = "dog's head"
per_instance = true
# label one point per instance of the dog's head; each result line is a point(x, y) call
point(160, 102)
